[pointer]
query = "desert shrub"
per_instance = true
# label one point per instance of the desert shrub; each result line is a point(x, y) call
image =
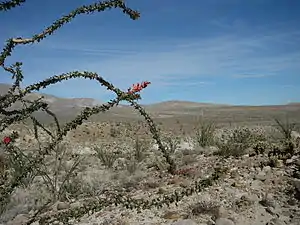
point(172, 142)
point(286, 129)
point(106, 157)
point(204, 205)
point(235, 142)
point(131, 166)
point(141, 146)
point(261, 147)
point(56, 173)
point(204, 133)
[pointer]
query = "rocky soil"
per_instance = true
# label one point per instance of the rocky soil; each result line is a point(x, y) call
point(252, 192)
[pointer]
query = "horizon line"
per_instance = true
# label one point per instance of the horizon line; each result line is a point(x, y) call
point(166, 101)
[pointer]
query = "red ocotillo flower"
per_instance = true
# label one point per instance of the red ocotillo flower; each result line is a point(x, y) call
point(7, 140)
point(138, 87)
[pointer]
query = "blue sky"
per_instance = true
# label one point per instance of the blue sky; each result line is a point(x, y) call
point(243, 52)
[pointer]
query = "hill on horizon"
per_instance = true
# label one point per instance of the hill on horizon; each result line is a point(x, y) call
point(89, 102)
point(68, 108)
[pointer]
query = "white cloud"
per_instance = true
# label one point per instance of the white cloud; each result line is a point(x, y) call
point(174, 62)
point(251, 75)
point(222, 56)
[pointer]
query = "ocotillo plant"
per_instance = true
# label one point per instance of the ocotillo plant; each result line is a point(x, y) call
point(28, 165)
point(16, 93)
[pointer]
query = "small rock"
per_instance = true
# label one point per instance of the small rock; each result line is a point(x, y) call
point(221, 212)
point(75, 205)
point(296, 183)
point(185, 222)
point(280, 163)
point(224, 221)
point(256, 184)
point(172, 215)
point(268, 201)
point(252, 169)
point(62, 205)
point(270, 210)
point(19, 220)
point(276, 221)
point(161, 190)
point(262, 176)
point(292, 201)
point(252, 198)
point(267, 169)
point(176, 180)
point(184, 184)
point(297, 162)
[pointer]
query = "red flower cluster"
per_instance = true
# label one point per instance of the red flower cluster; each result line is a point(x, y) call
point(185, 171)
point(138, 87)
point(7, 140)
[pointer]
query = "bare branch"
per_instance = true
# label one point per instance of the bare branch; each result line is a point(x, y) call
point(100, 6)
point(5, 6)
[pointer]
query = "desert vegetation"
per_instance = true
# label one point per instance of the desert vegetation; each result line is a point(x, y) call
point(84, 172)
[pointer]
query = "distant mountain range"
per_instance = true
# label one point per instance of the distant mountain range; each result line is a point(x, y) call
point(58, 103)
point(67, 108)
point(54, 101)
